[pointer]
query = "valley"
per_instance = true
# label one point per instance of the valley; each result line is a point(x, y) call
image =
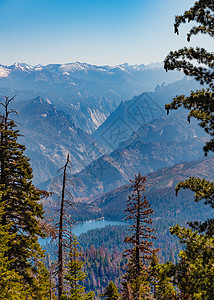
point(113, 124)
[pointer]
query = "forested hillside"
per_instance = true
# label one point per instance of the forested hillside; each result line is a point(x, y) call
point(130, 146)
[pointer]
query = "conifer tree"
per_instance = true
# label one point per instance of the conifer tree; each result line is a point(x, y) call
point(199, 64)
point(22, 210)
point(111, 292)
point(160, 278)
point(11, 283)
point(194, 272)
point(139, 212)
point(75, 276)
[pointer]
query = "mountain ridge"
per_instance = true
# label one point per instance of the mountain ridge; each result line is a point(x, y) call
point(159, 144)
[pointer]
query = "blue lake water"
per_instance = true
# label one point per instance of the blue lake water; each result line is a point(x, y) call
point(88, 225)
point(83, 227)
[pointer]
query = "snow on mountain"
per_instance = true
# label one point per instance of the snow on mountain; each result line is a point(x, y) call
point(4, 72)
point(70, 68)
point(21, 67)
point(77, 66)
point(80, 81)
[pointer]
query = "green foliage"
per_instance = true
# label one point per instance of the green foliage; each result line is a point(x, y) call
point(160, 279)
point(202, 13)
point(111, 292)
point(204, 190)
point(194, 273)
point(11, 284)
point(74, 276)
point(201, 107)
point(22, 210)
point(200, 103)
point(135, 286)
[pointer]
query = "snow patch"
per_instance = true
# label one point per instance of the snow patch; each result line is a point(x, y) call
point(4, 72)
point(23, 67)
point(38, 67)
point(97, 117)
point(77, 66)
point(49, 102)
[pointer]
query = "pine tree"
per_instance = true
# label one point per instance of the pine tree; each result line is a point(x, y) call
point(160, 277)
point(11, 283)
point(74, 276)
point(194, 272)
point(22, 210)
point(200, 103)
point(139, 212)
point(111, 292)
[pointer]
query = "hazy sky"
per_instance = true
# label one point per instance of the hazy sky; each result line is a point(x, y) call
point(93, 31)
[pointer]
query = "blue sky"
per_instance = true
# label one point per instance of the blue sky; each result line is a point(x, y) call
point(93, 31)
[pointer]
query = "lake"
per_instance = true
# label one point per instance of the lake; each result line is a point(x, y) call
point(88, 225)
point(83, 227)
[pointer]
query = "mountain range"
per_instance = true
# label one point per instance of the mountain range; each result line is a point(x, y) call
point(160, 191)
point(85, 110)
point(87, 92)
point(78, 81)
point(169, 209)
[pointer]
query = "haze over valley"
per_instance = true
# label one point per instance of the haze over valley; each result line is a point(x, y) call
point(112, 122)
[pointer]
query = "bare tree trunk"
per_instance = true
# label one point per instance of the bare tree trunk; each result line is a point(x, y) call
point(138, 234)
point(60, 250)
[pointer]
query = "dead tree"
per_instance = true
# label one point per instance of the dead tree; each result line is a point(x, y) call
point(62, 229)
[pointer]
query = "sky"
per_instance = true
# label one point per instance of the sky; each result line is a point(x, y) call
point(101, 32)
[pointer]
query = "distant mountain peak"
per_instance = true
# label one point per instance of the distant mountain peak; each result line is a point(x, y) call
point(40, 101)
point(159, 88)
point(21, 67)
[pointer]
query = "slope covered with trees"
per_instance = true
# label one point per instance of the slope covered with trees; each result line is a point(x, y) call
point(140, 275)
point(21, 211)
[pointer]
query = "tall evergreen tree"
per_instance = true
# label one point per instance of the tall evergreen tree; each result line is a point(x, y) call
point(199, 64)
point(22, 210)
point(194, 272)
point(11, 283)
point(139, 212)
point(75, 276)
